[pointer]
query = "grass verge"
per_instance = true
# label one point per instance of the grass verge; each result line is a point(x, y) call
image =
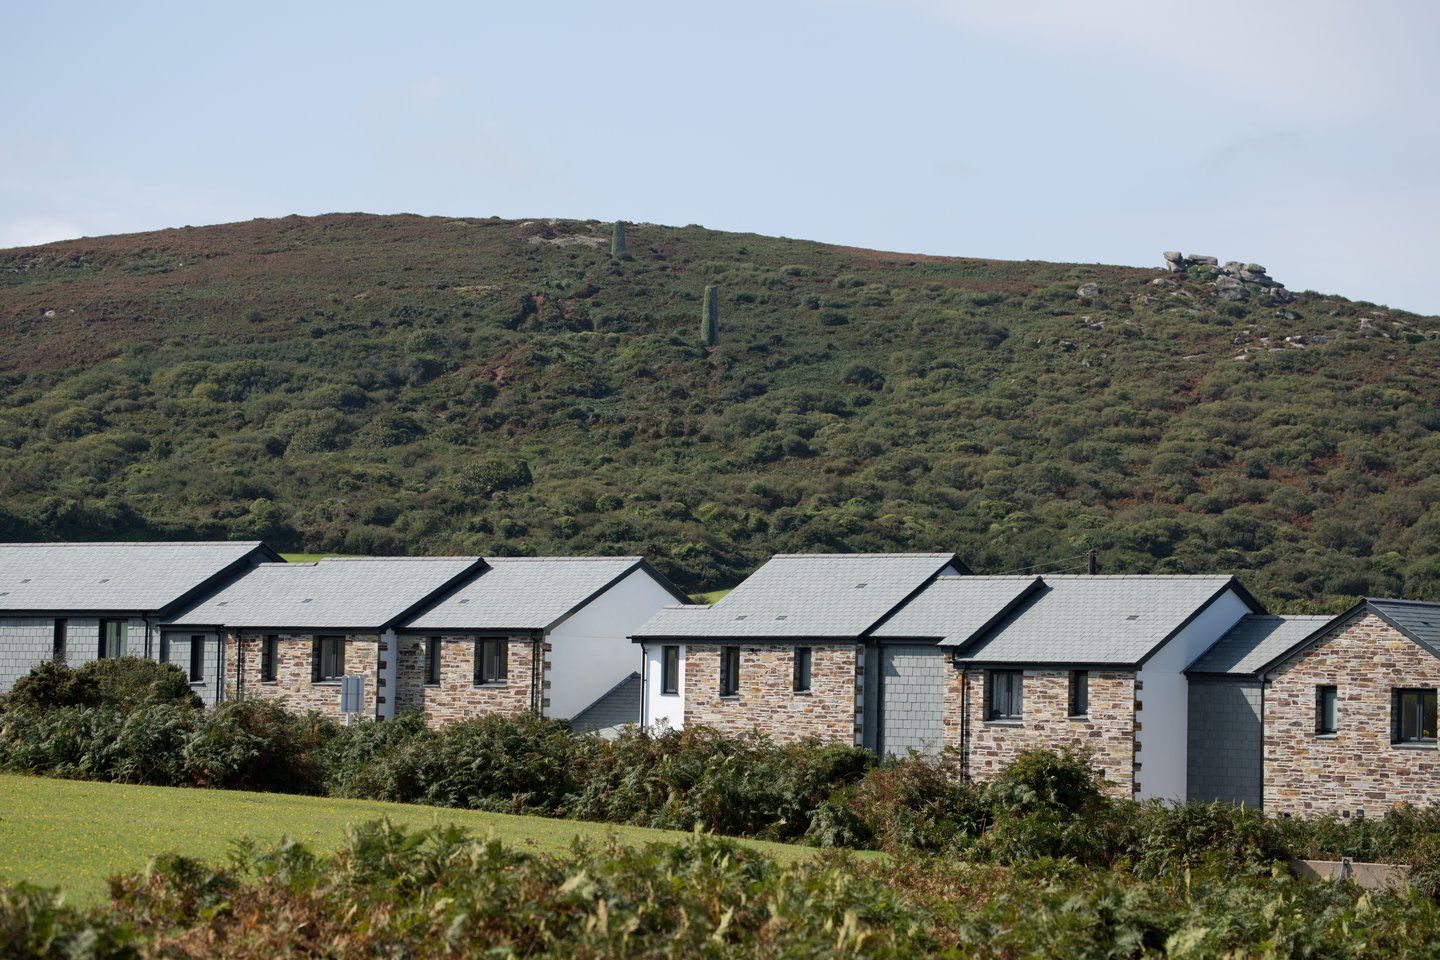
point(75, 834)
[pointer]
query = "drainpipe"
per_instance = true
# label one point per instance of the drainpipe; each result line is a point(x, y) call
point(1264, 679)
point(644, 688)
point(964, 723)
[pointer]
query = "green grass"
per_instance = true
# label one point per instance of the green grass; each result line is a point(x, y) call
point(75, 834)
point(710, 597)
point(305, 557)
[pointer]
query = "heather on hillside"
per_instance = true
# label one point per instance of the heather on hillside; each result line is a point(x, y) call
point(401, 384)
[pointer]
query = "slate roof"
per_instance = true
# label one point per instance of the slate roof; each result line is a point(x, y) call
point(1253, 649)
point(1254, 641)
point(526, 593)
point(1083, 619)
point(805, 596)
point(113, 577)
point(955, 608)
point(341, 594)
point(613, 711)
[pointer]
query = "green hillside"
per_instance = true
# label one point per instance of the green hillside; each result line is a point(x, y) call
point(363, 384)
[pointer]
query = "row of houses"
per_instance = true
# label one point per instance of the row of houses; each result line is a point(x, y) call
point(1179, 687)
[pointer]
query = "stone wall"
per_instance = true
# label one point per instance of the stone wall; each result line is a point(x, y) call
point(1358, 768)
point(766, 701)
point(456, 696)
point(1225, 741)
point(292, 685)
point(1107, 733)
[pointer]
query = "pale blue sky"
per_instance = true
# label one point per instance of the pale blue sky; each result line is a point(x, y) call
point(1303, 135)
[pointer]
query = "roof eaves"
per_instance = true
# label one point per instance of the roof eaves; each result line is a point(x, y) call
point(439, 594)
point(1012, 611)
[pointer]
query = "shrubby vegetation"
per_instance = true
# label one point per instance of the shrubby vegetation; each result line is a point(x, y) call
point(439, 893)
point(1045, 806)
point(377, 384)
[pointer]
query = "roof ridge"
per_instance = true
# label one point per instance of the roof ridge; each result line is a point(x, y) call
point(382, 559)
point(555, 559)
point(1136, 576)
point(134, 543)
point(1412, 603)
point(861, 556)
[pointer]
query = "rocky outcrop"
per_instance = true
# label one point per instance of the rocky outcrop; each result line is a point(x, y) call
point(1233, 280)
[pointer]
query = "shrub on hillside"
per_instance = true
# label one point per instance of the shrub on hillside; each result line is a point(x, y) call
point(124, 683)
point(912, 804)
point(258, 745)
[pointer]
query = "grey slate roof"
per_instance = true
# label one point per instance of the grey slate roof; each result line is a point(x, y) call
point(805, 596)
point(340, 594)
point(524, 593)
point(112, 577)
point(955, 608)
point(618, 707)
point(1254, 641)
point(1077, 618)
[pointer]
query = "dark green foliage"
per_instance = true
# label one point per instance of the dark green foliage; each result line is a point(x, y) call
point(439, 893)
point(485, 478)
point(857, 401)
point(121, 683)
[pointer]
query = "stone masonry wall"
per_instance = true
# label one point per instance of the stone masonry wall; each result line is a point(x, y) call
point(1357, 768)
point(292, 685)
point(766, 701)
point(1107, 734)
point(456, 696)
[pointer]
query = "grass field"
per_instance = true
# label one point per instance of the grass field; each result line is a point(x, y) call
point(75, 834)
point(710, 597)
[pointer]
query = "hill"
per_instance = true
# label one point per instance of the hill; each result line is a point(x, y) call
point(374, 384)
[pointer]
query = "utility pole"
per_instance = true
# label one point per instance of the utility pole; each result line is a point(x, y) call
point(1091, 566)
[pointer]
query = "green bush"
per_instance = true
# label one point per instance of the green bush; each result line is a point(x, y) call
point(125, 683)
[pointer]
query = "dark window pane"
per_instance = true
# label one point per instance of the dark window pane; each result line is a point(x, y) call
point(670, 670)
point(197, 659)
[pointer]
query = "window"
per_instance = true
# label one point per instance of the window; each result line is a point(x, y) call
point(112, 638)
point(432, 660)
point(197, 659)
point(328, 659)
point(62, 627)
point(729, 671)
point(1005, 694)
point(1079, 693)
point(1413, 716)
point(1325, 710)
point(802, 669)
point(269, 654)
point(670, 671)
point(490, 660)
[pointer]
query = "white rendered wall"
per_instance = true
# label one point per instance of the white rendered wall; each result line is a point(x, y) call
point(1162, 720)
point(591, 652)
point(663, 710)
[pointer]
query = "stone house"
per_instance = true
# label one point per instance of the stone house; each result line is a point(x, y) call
point(85, 601)
point(1092, 662)
point(448, 637)
point(293, 631)
point(785, 652)
point(552, 632)
point(1312, 715)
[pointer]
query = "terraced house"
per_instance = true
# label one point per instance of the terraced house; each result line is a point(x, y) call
point(78, 602)
point(448, 637)
point(1312, 715)
point(785, 652)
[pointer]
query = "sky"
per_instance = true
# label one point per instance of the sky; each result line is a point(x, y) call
point(1304, 136)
